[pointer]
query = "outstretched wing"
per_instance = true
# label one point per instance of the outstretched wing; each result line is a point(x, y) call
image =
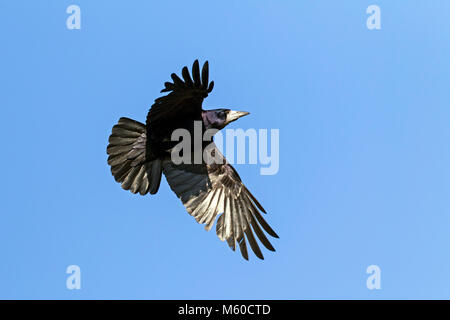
point(185, 97)
point(209, 190)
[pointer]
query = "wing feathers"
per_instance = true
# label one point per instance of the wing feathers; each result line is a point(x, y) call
point(185, 96)
point(205, 75)
point(243, 248)
point(260, 234)
point(219, 192)
point(211, 86)
point(187, 77)
point(196, 74)
point(176, 80)
point(263, 223)
point(251, 240)
point(250, 196)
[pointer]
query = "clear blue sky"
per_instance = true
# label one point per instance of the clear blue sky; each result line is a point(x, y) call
point(364, 147)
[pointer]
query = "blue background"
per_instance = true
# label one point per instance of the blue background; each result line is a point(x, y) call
point(364, 148)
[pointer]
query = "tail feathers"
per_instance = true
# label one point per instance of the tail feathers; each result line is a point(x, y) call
point(126, 156)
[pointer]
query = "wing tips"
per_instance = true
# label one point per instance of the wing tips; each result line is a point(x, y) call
point(198, 80)
point(186, 77)
point(243, 248)
point(205, 75)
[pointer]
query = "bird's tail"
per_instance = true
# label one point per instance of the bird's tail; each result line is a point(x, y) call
point(127, 152)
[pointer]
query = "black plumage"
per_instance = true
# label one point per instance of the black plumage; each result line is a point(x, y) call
point(210, 190)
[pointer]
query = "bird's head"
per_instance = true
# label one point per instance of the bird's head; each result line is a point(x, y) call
point(220, 118)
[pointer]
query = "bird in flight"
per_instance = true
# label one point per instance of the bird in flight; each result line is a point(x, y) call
point(139, 153)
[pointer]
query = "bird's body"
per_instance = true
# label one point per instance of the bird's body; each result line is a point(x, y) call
point(139, 154)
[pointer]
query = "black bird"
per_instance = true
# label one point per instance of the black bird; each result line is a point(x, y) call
point(139, 154)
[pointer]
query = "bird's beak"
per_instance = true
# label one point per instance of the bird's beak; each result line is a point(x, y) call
point(234, 115)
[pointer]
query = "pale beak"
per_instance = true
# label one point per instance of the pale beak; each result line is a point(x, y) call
point(234, 115)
